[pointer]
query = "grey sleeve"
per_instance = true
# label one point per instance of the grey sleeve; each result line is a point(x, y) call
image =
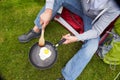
point(87, 35)
point(49, 4)
point(100, 25)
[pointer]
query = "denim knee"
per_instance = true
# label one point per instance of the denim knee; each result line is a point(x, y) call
point(90, 47)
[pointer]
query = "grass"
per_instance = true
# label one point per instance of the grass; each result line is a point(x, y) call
point(16, 18)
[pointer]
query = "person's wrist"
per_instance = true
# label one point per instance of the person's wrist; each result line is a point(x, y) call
point(76, 39)
point(48, 11)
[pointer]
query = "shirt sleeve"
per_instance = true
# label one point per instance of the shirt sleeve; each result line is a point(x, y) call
point(100, 25)
point(49, 4)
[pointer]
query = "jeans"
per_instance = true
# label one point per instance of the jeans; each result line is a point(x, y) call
point(78, 62)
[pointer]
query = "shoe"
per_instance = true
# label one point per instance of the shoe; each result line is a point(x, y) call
point(62, 78)
point(30, 35)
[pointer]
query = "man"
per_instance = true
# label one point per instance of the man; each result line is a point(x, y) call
point(96, 15)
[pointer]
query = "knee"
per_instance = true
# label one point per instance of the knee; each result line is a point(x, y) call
point(90, 47)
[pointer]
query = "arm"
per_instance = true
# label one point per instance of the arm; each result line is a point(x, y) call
point(100, 25)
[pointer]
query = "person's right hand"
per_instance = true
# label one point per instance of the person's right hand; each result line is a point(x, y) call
point(45, 17)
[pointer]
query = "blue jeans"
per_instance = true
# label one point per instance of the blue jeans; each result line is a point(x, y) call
point(78, 62)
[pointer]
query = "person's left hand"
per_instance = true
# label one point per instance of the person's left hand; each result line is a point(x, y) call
point(70, 39)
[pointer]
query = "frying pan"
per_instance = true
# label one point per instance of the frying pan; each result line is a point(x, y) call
point(37, 61)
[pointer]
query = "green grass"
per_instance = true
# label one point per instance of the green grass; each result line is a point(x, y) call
point(16, 18)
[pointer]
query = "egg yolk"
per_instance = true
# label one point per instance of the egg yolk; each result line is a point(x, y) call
point(46, 51)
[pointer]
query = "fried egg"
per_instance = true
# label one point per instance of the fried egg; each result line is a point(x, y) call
point(44, 53)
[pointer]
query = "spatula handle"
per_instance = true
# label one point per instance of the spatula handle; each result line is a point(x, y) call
point(42, 40)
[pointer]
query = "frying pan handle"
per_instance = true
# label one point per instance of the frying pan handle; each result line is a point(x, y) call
point(60, 42)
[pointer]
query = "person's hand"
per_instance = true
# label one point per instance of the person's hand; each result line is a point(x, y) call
point(45, 17)
point(70, 39)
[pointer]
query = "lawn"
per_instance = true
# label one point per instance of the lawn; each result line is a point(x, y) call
point(16, 18)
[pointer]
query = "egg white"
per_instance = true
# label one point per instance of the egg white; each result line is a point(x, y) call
point(44, 55)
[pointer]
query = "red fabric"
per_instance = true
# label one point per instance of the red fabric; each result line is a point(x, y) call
point(74, 20)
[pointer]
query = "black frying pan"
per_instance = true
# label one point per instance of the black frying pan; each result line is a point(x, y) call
point(38, 61)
